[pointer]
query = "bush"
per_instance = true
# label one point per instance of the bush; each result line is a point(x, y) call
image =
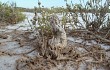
point(93, 14)
point(9, 13)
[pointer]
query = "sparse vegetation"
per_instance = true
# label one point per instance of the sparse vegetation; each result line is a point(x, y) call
point(88, 23)
point(91, 31)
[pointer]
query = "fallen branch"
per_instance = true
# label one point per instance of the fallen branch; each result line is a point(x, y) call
point(107, 34)
point(10, 54)
point(97, 36)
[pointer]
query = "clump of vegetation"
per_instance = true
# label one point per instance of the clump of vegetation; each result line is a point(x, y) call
point(93, 13)
point(92, 16)
point(10, 14)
